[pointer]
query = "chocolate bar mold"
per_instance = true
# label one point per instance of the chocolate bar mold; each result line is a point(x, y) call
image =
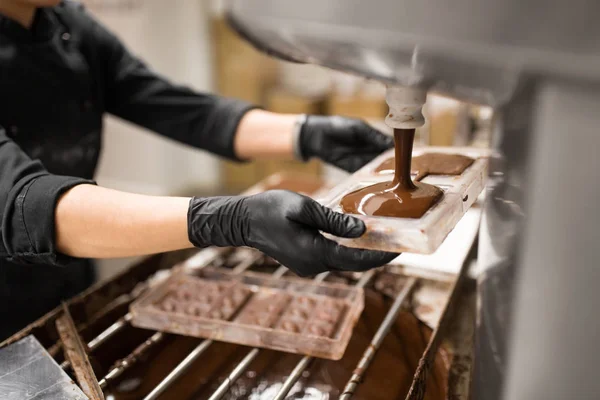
point(416, 235)
point(253, 309)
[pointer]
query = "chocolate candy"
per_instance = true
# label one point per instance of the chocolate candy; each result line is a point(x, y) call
point(299, 313)
point(275, 309)
point(290, 326)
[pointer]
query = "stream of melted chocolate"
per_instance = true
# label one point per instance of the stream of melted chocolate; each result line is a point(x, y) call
point(401, 198)
point(389, 376)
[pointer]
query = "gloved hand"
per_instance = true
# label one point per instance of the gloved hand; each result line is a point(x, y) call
point(284, 225)
point(344, 142)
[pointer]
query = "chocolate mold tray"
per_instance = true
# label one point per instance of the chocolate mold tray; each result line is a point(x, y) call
point(416, 235)
point(370, 169)
point(285, 314)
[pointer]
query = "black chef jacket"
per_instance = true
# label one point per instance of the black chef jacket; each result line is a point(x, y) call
point(57, 80)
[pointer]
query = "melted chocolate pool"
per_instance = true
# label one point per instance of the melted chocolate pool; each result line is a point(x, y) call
point(401, 198)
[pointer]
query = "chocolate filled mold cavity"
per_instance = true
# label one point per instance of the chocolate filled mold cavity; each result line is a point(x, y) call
point(410, 210)
point(290, 326)
point(320, 329)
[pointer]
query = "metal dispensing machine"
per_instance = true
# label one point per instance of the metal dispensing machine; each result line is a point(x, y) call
point(537, 63)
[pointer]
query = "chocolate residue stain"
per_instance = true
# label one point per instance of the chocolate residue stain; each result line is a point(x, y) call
point(401, 198)
point(431, 164)
point(389, 376)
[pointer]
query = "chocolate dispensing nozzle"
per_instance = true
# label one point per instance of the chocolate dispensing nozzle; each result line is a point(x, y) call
point(406, 105)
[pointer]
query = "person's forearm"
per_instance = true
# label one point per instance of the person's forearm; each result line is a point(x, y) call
point(96, 222)
point(262, 134)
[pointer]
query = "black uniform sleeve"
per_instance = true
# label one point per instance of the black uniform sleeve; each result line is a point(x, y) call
point(137, 94)
point(28, 196)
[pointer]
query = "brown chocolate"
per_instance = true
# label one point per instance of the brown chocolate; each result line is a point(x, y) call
point(401, 198)
point(271, 307)
point(318, 330)
point(328, 315)
point(440, 164)
point(307, 301)
point(228, 302)
point(299, 313)
point(290, 326)
point(431, 164)
point(204, 299)
point(238, 296)
point(169, 305)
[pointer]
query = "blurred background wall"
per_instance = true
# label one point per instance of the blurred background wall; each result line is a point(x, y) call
point(188, 42)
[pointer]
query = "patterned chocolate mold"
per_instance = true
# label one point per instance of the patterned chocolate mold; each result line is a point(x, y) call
point(218, 300)
point(253, 309)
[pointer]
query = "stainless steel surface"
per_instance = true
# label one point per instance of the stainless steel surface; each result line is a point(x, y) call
point(538, 257)
point(76, 353)
point(553, 352)
point(291, 380)
point(27, 372)
point(381, 333)
point(500, 238)
point(474, 49)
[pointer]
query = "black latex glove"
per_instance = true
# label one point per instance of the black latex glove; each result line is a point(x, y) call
point(344, 142)
point(284, 225)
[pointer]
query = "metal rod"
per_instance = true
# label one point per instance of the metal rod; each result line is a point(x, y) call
point(378, 338)
point(247, 263)
point(104, 336)
point(200, 349)
point(109, 332)
point(291, 380)
point(123, 364)
point(235, 374)
point(321, 277)
point(179, 370)
point(281, 271)
point(246, 361)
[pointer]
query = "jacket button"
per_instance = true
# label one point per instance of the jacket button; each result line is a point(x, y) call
point(66, 36)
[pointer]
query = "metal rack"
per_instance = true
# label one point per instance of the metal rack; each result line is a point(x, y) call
point(245, 263)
